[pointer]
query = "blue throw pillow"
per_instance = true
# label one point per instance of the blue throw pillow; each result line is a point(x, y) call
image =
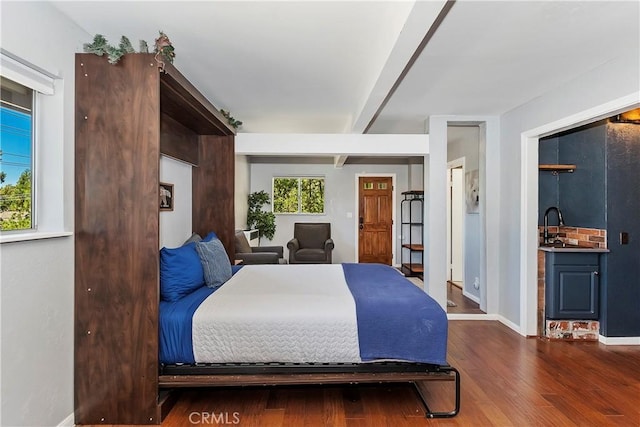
point(209, 237)
point(215, 262)
point(180, 272)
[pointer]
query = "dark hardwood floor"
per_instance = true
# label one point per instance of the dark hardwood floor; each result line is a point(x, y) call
point(507, 380)
point(463, 305)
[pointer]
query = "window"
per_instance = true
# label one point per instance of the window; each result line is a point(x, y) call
point(37, 97)
point(16, 156)
point(304, 195)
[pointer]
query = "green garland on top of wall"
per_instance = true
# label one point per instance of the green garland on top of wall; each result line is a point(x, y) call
point(164, 50)
point(100, 47)
point(233, 122)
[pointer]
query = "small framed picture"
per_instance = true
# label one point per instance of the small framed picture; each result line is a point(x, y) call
point(166, 196)
point(472, 192)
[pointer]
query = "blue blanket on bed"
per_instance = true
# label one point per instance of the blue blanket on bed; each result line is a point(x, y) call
point(396, 320)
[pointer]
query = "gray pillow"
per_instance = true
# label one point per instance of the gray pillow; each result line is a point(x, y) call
point(195, 237)
point(242, 246)
point(215, 262)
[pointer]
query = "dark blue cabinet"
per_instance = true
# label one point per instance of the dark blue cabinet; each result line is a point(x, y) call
point(572, 285)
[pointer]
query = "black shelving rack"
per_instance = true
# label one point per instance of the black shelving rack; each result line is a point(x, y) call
point(412, 233)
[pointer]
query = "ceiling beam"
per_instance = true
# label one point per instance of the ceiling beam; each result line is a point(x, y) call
point(422, 23)
point(330, 145)
point(338, 161)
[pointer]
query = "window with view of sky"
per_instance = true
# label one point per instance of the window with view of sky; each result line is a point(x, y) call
point(16, 155)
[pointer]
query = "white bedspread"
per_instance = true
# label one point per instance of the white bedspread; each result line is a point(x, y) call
point(278, 313)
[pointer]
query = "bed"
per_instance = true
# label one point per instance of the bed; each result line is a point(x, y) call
point(297, 324)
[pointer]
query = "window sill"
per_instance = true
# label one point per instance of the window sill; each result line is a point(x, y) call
point(33, 235)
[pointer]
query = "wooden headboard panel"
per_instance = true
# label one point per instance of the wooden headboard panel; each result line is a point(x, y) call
point(213, 189)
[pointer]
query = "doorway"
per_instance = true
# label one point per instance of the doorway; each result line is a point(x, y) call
point(375, 219)
point(464, 231)
point(455, 226)
point(529, 188)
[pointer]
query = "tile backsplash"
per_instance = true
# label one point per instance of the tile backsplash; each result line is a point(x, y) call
point(586, 237)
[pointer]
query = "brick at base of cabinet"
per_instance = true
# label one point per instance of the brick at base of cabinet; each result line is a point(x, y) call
point(576, 330)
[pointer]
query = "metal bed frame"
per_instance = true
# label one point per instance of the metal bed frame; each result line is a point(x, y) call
point(268, 374)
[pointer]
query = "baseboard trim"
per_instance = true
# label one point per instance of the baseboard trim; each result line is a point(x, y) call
point(465, 316)
point(69, 421)
point(471, 297)
point(509, 324)
point(619, 340)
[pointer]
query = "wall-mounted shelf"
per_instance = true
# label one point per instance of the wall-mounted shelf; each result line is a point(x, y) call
point(557, 168)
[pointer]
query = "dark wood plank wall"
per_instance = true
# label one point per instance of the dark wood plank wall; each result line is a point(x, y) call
point(213, 189)
point(126, 116)
point(178, 141)
point(116, 240)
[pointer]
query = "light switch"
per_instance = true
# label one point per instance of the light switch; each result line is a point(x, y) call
point(349, 214)
point(624, 238)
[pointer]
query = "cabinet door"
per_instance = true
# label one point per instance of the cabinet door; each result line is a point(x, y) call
point(575, 292)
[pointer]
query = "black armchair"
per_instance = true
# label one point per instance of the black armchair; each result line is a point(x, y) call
point(311, 243)
point(257, 254)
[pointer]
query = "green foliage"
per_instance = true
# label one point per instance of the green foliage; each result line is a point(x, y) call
point(264, 222)
point(15, 200)
point(164, 48)
point(125, 45)
point(114, 54)
point(285, 195)
point(233, 122)
point(298, 195)
point(312, 195)
point(99, 45)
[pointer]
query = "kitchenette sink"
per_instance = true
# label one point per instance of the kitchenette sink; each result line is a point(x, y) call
point(566, 247)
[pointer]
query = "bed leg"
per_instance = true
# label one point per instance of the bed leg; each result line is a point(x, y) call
point(428, 412)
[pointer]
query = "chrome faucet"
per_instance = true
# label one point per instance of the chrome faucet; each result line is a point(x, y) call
point(546, 237)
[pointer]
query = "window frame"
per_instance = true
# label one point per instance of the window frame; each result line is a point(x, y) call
point(32, 167)
point(299, 178)
point(52, 126)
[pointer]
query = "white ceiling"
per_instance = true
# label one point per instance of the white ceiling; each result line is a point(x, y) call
point(327, 66)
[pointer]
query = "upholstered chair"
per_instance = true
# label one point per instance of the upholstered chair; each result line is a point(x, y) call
point(311, 243)
point(257, 254)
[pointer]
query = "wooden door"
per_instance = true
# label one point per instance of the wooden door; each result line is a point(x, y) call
point(375, 219)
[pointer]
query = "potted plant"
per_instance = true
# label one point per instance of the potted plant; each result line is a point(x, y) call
point(263, 221)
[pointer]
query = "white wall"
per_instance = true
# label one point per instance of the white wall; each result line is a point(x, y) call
point(37, 276)
point(435, 197)
point(340, 200)
point(176, 225)
point(595, 90)
point(464, 142)
point(416, 176)
point(242, 187)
